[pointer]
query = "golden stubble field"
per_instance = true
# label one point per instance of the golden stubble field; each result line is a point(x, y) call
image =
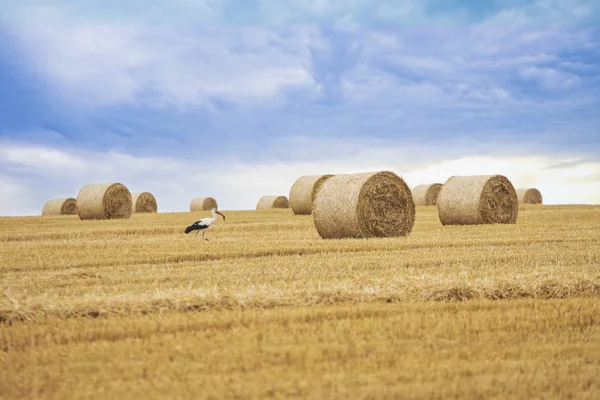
point(137, 309)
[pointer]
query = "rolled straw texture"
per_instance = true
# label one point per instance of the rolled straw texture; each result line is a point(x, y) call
point(426, 195)
point(143, 202)
point(529, 196)
point(374, 204)
point(62, 206)
point(104, 201)
point(203, 204)
point(267, 202)
point(482, 199)
point(304, 191)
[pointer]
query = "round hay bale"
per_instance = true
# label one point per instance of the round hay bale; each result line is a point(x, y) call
point(143, 202)
point(529, 196)
point(104, 201)
point(203, 204)
point(426, 195)
point(374, 204)
point(62, 206)
point(304, 191)
point(267, 202)
point(482, 199)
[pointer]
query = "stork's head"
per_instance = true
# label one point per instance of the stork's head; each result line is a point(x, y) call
point(215, 212)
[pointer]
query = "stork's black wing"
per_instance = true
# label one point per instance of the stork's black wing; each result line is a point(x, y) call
point(198, 225)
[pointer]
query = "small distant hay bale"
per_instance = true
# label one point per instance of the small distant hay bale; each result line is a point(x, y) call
point(529, 196)
point(61, 206)
point(481, 199)
point(374, 204)
point(426, 195)
point(104, 201)
point(203, 204)
point(304, 192)
point(268, 202)
point(143, 202)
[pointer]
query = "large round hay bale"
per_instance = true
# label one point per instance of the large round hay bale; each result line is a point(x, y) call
point(203, 204)
point(104, 201)
point(304, 191)
point(143, 202)
point(426, 195)
point(62, 206)
point(482, 199)
point(267, 202)
point(374, 204)
point(529, 196)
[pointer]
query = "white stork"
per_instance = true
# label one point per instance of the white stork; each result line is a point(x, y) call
point(204, 224)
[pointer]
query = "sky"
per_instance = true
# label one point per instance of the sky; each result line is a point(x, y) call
point(235, 99)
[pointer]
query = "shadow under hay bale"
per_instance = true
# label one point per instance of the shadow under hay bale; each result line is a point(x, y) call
point(144, 202)
point(61, 206)
point(481, 199)
point(104, 201)
point(268, 202)
point(426, 195)
point(374, 204)
point(304, 191)
point(529, 196)
point(203, 204)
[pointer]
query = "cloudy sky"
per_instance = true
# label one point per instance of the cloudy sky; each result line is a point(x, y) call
point(235, 99)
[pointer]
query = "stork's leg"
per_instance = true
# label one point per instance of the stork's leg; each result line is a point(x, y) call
point(196, 235)
point(204, 237)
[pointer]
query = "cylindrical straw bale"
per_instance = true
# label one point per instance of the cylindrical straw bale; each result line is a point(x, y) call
point(529, 196)
point(374, 204)
point(104, 201)
point(304, 191)
point(62, 206)
point(267, 202)
point(426, 195)
point(203, 204)
point(143, 202)
point(481, 199)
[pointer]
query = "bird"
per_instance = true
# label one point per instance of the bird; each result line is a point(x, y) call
point(204, 224)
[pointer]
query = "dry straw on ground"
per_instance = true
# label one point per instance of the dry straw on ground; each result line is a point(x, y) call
point(62, 206)
point(426, 195)
point(304, 191)
point(144, 202)
point(374, 204)
point(529, 196)
point(482, 199)
point(104, 201)
point(203, 204)
point(267, 202)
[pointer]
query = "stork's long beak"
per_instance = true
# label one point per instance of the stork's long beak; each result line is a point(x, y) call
point(221, 214)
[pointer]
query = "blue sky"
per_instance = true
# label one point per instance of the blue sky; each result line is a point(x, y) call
point(236, 99)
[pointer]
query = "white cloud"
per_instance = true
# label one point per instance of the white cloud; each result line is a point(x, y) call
point(545, 12)
point(38, 157)
point(551, 78)
point(238, 185)
point(409, 83)
point(106, 65)
point(16, 199)
point(92, 60)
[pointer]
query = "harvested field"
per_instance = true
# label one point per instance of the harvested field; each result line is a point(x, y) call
point(135, 308)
